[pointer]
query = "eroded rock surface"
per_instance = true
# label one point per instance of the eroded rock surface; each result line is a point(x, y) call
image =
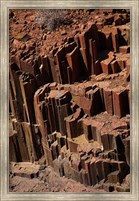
point(70, 100)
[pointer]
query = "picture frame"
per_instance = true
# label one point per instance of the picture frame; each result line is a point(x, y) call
point(133, 5)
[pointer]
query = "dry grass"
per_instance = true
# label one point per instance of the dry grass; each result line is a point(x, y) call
point(50, 19)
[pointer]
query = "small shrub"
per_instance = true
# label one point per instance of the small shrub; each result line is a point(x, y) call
point(50, 19)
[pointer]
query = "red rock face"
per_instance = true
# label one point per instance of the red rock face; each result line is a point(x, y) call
point(70, 93)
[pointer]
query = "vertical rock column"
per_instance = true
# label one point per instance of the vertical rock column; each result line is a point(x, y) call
point(28, 87)
point(73, 59)
point(38, 98)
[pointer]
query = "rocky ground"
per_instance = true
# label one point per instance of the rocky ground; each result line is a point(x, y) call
point(27, 177)
point(36, 32)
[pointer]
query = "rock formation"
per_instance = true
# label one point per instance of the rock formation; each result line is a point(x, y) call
point(70, 106)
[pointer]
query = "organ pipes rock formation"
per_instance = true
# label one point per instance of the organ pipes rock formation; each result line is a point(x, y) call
point(70, 109)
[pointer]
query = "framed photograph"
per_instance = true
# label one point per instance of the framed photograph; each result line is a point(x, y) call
point(69, 100)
